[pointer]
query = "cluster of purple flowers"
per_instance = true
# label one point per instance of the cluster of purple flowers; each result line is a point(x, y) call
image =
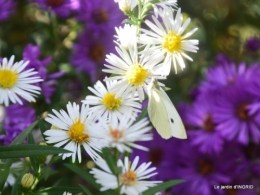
point(99, 18)
point(223, 126)
point(7, 8)
point(16, 118)
point(62, 8)
point(252, 44)
point(32, 53)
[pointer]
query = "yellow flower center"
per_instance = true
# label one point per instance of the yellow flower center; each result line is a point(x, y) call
point(8, 78)
point(110, 102)
point(77, 132)
point(128, 178)
point(116, 134)
point(136, 74)
point(172, 42)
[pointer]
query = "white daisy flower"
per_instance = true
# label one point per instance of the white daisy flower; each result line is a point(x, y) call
point(165, 4)
point(122, 134)
point(74, 129)
point(15, 82)
point(127, 36)
point(132, 181)
point(133, 72)
point(109, 104)
point(126, 6)
point(168, 40)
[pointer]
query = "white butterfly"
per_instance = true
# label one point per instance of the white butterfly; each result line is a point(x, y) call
point(163, 114)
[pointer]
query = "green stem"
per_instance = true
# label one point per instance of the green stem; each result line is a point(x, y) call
point(140, 10)
point(116, 154)
point(37, 179)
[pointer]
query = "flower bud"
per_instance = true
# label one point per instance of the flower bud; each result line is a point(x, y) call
point(27, 180)
point(126, 6)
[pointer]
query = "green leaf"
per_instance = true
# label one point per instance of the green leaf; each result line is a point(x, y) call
point(3, 176)
point(85, 190)
point(57, 190)
point(5, 165)
point(2, 131)
point(126, 21)
point(19, 151)
point(162, 186)
point(84, 175)
point(88, 178)
point(46, 172)
point(16, 188)
point(33, 160)
point(133, 22)
point(55, 159)
point(21, 137)
point(42, 127)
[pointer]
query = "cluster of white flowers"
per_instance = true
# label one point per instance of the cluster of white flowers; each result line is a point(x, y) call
point(107, 118)
point(141, 58)
point(88, 128)
point(82, 128)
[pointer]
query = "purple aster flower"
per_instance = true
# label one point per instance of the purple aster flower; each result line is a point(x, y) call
point(252, 44)
point(17, 118)
point(225, 73)
point(48, 87)
point(246, 170)
point(249, 162)
point(220, 76)
point(202, 171)
point(62, 8)
point(90, 52)
point(100, 16)
point(237, 113)
point(254, 87)
point(194, 93)
point(6, 9)
point(162, 154)
point(183, 109)
point(202, 127)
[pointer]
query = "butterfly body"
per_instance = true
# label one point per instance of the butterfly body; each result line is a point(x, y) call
point(163, 114)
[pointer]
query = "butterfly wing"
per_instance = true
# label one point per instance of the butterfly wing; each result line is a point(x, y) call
point(158, 113)
point(163, 114)
point(177, 127)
